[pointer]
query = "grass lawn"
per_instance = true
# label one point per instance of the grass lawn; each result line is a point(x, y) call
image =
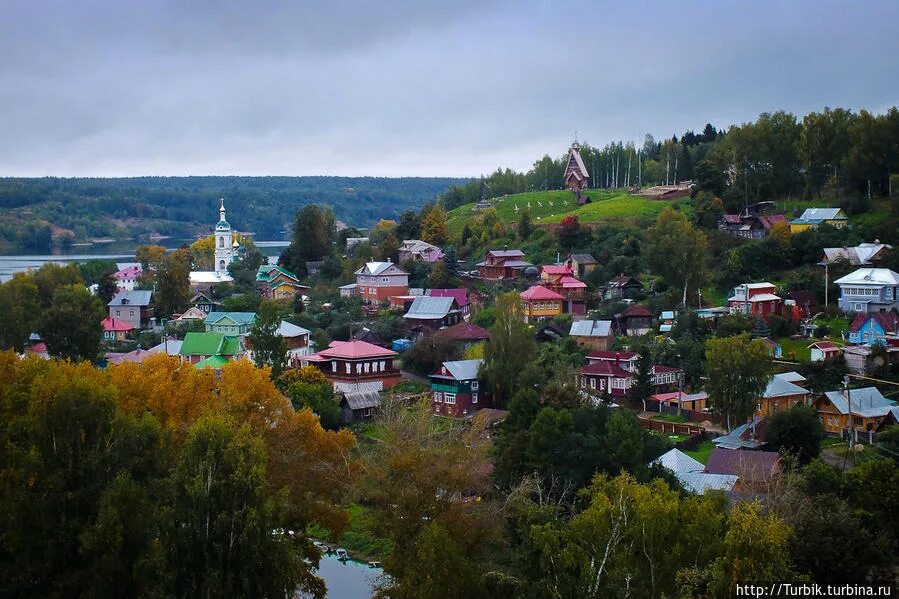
point(358, 539)
point(552, 206)
point(863, 454)
point(796, 349)
point(372, 430)
point(670, 417)
point(701, 453)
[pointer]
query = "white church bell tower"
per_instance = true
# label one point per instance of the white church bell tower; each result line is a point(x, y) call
point(224, 250)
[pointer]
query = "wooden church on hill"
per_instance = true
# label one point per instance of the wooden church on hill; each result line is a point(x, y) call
point(576, 175)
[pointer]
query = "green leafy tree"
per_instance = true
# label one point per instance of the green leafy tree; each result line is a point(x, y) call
point(218, 532)
point(738, 371)
point(707, 210)
point(107, 287)
point(307, 388)
point(796, 431)
point(51, 277)
point(71, 326)
point(310, 242)
point(439, 276)
point(173, 283)
point(677, 251)
point(19, 307)
point(511, 345)
point(642, 387)
point(269, 348)
point(525, 226)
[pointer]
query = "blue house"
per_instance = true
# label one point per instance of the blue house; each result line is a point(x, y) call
point(873, 328)
point(869, 290)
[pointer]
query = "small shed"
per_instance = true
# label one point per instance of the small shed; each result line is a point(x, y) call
point(360, 406)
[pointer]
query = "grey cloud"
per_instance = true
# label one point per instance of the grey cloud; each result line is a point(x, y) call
point(414, 88)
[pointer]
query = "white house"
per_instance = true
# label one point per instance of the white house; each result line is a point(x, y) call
point(869, 290)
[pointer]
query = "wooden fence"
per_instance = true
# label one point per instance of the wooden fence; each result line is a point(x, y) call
point(671, 428)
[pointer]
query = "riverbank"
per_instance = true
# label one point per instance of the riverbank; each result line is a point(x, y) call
point(359, 538)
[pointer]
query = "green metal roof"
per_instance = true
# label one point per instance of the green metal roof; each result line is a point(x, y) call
point(209, 344)
point(267, 272)
point(211, 362)
point(235, 317)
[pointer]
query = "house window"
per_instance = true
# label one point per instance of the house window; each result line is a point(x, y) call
point(333, 365)
point(474, 398)
point(438, 396)
point(221, 242)
point(118, 313)
point(349, 369)
point(859, 307)
point(132, 313)
point(593, 383)
point(583, 381)
point(474, 385)
point(449, 398)
point(381, 365)
point(385, 280)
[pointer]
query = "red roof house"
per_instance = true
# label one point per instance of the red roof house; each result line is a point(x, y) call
point(115, 329)
point(540, 303)
point(353, 366)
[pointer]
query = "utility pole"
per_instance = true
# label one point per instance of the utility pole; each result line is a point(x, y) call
point(675, 169)
point(851, 427)
point(640, 170)
point(667, 166)
point(627, 180)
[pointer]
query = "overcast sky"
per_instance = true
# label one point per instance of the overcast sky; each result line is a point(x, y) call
point(154, 87)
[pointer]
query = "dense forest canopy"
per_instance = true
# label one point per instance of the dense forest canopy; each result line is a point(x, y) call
point(33, 212)
point(778, 155)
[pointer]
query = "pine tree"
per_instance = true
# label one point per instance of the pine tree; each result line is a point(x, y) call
point(269, 348)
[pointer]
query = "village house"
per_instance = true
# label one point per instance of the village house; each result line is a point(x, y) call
point(377, 281)
point(540, 303)
point(592, 334)
point(168, 346)
point(230, 323)
point(755, 299)
point(581, 264)
point(204, 302)
point(864, 254)
point(117, 330)
point(296, 339)
point(782, 393)
point(359, 406)
point(278, 283)
point(869, 290)
point(695, 402)
point(750, 226)
point(464, 333)
point(813, 218)
point(502, 265)
point(199, 347)
point(873, 328)
point(428, 314)
point(460, 295)
point(356, 366)
point(350, 290)
point(865, 359)
point(755, 470)
point(634, 321)
point(824, 350)
point(622, 287)
point(612, 373)
point(692, 475)
point(864, 410)
point(558, 278)
point(456, 389)
point(134, 307)
point(805, 304)
point(127, 278)
point(749, 435)
point(666, 321)
point(416, 250)
point(192, 314)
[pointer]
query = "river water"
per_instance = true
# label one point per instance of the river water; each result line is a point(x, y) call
point(116, 251)
point(347, 580)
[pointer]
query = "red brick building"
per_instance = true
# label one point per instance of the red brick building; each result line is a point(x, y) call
point(378, 281)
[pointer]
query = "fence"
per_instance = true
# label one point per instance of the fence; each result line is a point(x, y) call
point(653, 405)
point(867, 437)
point(672, 428)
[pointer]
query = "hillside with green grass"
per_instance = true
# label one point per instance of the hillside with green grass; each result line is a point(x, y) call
point(550, 207)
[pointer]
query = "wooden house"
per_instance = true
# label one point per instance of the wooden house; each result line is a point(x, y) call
point(502, 265)
point(278, 283)
point(117, 330)
point(755, 470)
point(456, 389)
point(866, 408)
point(134, 307)
point(581, 264)
point(356, 366)
point(812, 218)
point(464, 333)
point(782, 393)
point(592, 334)
point(428, 314)
point(359, 406)
point(540, 303)
point(230, 323)
point(634, 321)
point(755, 299)
point(622, 287)
point(198, 347)
point(824, 350)
point(204, 303)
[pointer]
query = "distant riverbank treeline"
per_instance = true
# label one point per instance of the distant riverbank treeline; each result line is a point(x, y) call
point(853, 155)
point(34, 213)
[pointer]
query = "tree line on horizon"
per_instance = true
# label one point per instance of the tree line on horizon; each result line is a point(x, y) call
point(779, 155)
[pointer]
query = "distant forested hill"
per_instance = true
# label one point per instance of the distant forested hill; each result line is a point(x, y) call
point(36, 212)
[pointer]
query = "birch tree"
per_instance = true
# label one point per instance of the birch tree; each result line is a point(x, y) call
point(677, 251)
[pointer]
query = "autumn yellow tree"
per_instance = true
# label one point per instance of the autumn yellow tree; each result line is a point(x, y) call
point(433, 226)
point(203, 252)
